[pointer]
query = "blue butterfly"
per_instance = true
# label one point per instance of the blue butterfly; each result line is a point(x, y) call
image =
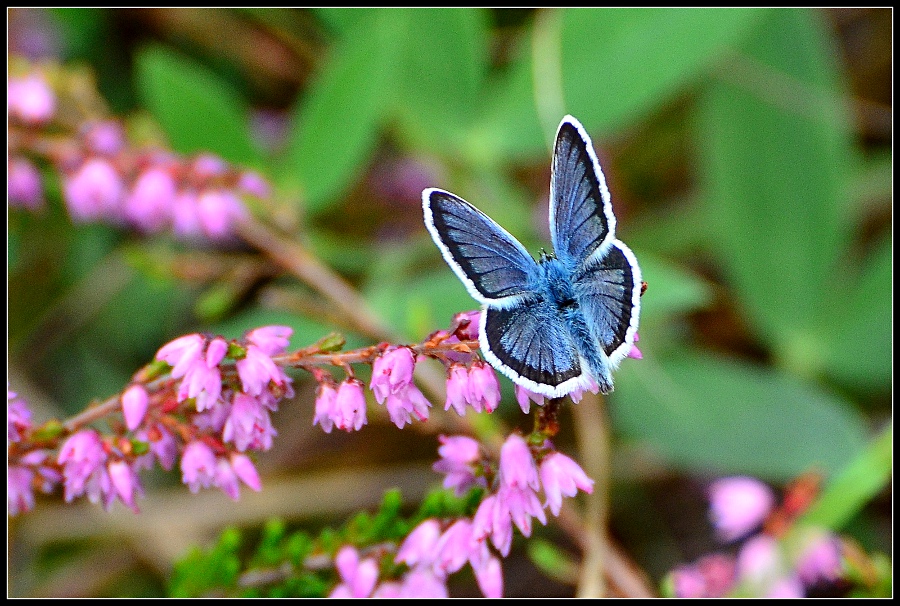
point(555, 325)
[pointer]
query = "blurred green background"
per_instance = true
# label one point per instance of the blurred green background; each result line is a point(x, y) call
point(748, 153)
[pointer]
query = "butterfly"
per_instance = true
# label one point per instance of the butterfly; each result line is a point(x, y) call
point(564, 322)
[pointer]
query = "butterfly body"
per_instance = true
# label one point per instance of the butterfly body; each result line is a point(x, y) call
point(565, 321)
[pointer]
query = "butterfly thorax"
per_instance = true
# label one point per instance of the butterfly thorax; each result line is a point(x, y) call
point(559, 284)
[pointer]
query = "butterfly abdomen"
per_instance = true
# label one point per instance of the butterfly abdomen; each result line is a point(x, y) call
point(562, 294)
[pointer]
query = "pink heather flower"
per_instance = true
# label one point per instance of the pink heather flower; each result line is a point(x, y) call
point(578, 393)
point(198, 466)
point(94, 191)
point(149, 205)
point(206, 166)
point(738, 505)
point(82, 456)
point(419, 546)
point(688, 582)
point(634, 352)
point(760, 560)
point(424, 582)
point(457, 389)
point(350, 405)
point(256, 370)
point(30, 99)
point(561, 476)
point(19, 492)
point(18, 417)
point(271, 340)
point(47, 476)
point(713, 576)
point(218, 211)
point(326, 413)
point(185, 215)
point(456, 546)
point(427, 583)
point(125, 481)
point(820, 559)
point(182, 353)
point(470, 332)
point(484, 390)
point(134, 405)
point(24, 184)
point(522, 504)
point(254, 184)
point(226, 479)
point(405, 404)
point(388, 589)
point(392, 372)
point(786, 588)
point(162, 446)
point(245, 470)
point(493, 520)
point(106, 138)
point(489, 575)
point(248, 424)
point(525, 398)
point(358, 578)
point(201, 382)
point(459, 454)
point(213, 419)
point(517, 466)
point(215, 351)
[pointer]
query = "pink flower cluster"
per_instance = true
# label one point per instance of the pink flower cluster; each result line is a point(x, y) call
point(763, 566)
point(105, 180)
point(344, 406)
point(152, 191)
point(436, 548)
point(31, 470)
point(232, 413)
point(207, 412)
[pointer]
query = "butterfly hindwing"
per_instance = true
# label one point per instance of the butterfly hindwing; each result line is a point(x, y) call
point(491, 263)
point(581, 216)
point(608, 291)
point(529, 343)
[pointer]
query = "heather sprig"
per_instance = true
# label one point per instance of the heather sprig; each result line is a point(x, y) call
point(205, 403)
point(104, 176)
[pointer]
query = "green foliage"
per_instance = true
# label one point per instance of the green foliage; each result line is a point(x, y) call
point(716, 416)
point(292, 563)
point(198, 110)
point(335, 125)
point(856, 484)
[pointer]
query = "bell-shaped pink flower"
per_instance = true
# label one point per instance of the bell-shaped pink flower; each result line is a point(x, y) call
point(561, 476)
point(738, 505)
point(134, 405)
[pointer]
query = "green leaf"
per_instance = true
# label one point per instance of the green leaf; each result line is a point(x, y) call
point(858, 483)
point(775, 147)
point(619, 64)
point(857, 334)
point(197, 110)
point(615, 66)
point(336, 123)
point(443, 68)
point(341, 20)
point(716, 416)
point(671, 290)
point(418, 306)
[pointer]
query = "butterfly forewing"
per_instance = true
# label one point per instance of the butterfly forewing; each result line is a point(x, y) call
point(532, 346)
point(608, 292)
point(489, 261)
point(581, 217)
